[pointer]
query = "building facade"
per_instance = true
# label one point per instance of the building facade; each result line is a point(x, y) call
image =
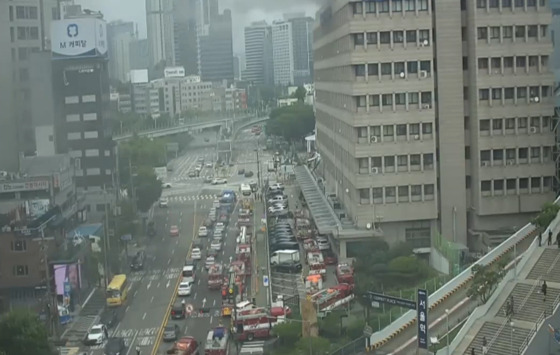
point(139, 54)
point(160, 26)
point(258, 54)
point(283, 52)
point(179, 94)
point(185, 35)
point(302, 36)
point(215, 45)
point(120, 35)
point(463, 152)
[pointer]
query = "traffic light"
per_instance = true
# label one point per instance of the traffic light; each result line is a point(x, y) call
point(231, 290)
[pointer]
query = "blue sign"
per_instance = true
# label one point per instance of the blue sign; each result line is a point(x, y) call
point(265, 280)
point(422, 307)
point(126, 237)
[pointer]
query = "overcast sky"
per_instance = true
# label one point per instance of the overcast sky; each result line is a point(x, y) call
point(243, 12)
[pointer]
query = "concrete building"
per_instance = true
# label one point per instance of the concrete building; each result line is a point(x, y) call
point(159, 22)
point(24, 29)
point(302, 37)
point(464, 153)
point(185, 35)
point(180, 93)
point(258, 54)
point(144, 96)
point(42, 102)
point(139, 54)
point(283, 52)
point(120, 36)
point(235, 99)
point(236, 68)
point(215, 49)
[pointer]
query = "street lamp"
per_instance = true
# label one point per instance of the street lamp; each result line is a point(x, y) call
point(511, 324)
point(447, 337)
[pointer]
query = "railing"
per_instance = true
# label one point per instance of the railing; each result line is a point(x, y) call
point(531, 334)
point(460, 280)
point(354, 347)
point(530, 293)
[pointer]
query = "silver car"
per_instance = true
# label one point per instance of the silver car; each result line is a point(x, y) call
point(171, 332)
point(216, 244)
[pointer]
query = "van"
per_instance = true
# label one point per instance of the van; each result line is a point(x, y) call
point(281, 256)
point(246, 190)
point(188, 273)
point(137, 262)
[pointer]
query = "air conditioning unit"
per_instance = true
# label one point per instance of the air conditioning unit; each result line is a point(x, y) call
point(373, 139)
point(423, 74)
point(425, 43)
point(485, 163)
point(416, 137)
point(535, 99)
point(510, 162)
point(402, 75)
point(374, 170)
point(426, 106)
point(533, 129)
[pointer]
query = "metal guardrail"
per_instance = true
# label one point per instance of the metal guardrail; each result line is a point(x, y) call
point(531, 334)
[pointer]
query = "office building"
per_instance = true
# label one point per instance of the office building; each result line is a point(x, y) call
point(215, 45)
point(144, 97)
point(463, 148)
point(120, 36)
point(258, 54)
point(236, 68)
point(159, 22)
point(185, 35)
point(24, 28)
point(283, 53)
point(83, 126)
point(139, 54)
point(42, 102)
point(302, 37)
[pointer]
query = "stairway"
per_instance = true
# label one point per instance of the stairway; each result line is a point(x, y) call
point(535, 304)
point(505, 340)
point(549, 260)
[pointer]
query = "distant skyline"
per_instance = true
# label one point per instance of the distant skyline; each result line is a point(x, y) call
point(243, 13)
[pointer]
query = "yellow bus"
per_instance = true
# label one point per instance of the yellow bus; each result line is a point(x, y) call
point(117, 291)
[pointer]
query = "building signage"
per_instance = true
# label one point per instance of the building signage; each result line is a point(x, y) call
point(174, 72)
point(378, 298)
point(422, 306)
point(82, 37)
point(24, 186)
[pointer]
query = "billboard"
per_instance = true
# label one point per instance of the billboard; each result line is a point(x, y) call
point(69, 275)
point(37, 208)
point(81, 37)
point(174, 72)
point(24, 186)
point(422, 310)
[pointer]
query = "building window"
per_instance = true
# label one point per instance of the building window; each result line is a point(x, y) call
point(74, 136)
point(414, 128)
point(383, 6)
point(360, 70)
point(92, 152)
point(20, 270)
point(483, 95)
point(361, 101)
point(495, 32)
point(90, 116)
point(521, 93)
point(426, 128)
point(400, 99)
point(507, 32)
point(412, 67)
point(91, 134)
point(520, 3)
point(357, 8)
point(411, 36)
point(88, 98)
point(374, 100)
point(71, 100)
point(494, 4)
point(481, 4)
point(520, 32)
point(373, 69)
point(426, 98)
point(387, 99)
point(429, 192)
point(28, 33)
point(93, 171)
point(398, 36)
point(19, 245)
point(390, 194)
point(370, 7)
point(358, 39)
point(386, 69)
point(422, 5)
point(509, 93)
point(482, 33)
point(496, 94)
point(428, 161)
point(397, 5)
point(412, 98)
point(410, 5)
point(403, 193)
point(371, 37)
point(26, 13)
point(73, 118)
point(385, 37)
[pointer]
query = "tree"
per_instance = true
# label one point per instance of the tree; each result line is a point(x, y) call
point(313, 346)
point(291, 122)
point(546, 216)
point(21, 332)
point(300, 94)
point(288, 333)
point(486, 278)
point(148, 188)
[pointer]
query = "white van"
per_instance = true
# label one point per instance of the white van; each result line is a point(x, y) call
point(246, 190)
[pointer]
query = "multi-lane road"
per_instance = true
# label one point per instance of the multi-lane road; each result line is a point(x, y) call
point(153, 290)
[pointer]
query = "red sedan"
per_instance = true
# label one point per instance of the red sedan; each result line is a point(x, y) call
point(174, 231)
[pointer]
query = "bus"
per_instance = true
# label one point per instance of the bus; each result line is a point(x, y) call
point(117, 291)
point(246, 190)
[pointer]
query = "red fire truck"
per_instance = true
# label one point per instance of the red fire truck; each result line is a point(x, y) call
point(345, 274)
point(235, 280)
point(316, 263)
point(215, 276)
point(333, 297)
point(217, 342)
point(243, 252)
point(253, 323)
point(184, 346)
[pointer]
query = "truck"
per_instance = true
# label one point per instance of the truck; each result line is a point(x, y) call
point(344, 274)
point(185, 346)
point(215, 276)
point(333, 297)
point(217, 342)
point(253, 323)
point(282, 256)
point(270, 167)
point(316, 263)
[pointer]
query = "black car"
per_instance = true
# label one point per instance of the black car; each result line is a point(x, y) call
point(248, 174)
point(191, 262)
point(241, 171)
point(171, 332)
point(115, 346)
point(284, 245)
point(109, 318)
point(281, 229)
point(137, 262)
point(178, 311)
point(288, 267)
point(281, 232)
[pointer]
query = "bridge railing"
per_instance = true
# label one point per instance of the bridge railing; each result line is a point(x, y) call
point(459, 281)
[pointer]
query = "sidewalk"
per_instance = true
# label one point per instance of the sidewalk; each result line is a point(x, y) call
point(260, 260)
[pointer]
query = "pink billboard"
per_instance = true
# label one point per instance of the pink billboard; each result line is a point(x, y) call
point(70, 273)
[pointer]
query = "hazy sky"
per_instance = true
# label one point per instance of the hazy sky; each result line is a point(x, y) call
point(243, 12)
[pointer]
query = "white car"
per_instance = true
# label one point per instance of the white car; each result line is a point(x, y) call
point(210, 260)
point(166, 185)
point(216, 244)
point(196, 254)
point(209, 165)
point(276, 209)
point(276, 186)
point(323, 244)
point(163, 202)
point(220, 225)
point(276, 199)
point(202, 231)
point(96, 335)
point(184, 289)
point(219, 181)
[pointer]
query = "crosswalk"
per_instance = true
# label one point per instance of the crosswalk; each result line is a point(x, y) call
point(186, 198)
point(155, 274)
point(80, 328)
point(140, 337)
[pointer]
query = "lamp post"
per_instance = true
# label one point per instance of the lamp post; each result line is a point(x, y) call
point(511, 324)
point(447, 336)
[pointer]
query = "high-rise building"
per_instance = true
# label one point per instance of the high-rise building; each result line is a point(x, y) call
point(139, 54)
point(185, 35)
point(215, 48)
point(258, 54)
point(283, 52)
point(119, 38)
point(459, 148)
point(83, 127)
point(24, 28)
point(161, 42)
point(302, 37)
point(236, 68)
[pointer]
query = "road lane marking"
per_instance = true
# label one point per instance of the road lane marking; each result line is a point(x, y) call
point(198, 282)
point(172, 251)
point(158, 285)
point(144, 316)
point(186, 329)
point(149, 284)
point(213, 303)
point(126, 310)
point(169, 262)
point(211, 318)
point(152, 300)
point(194, 297)
point(168, 283)
point(135, 293)
point(131, 343)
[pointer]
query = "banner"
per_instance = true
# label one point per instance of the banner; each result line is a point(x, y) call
point(422, 307)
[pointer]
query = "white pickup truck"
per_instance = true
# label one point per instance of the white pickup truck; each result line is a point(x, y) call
point(282, 256)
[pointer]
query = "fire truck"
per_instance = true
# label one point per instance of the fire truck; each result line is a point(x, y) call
point(217, 342)
point(235, 281)
point(333, 297)
point(345, 274)
point(253, 323)
point(184, 346)
point(243, 253)
point(215, 276)
point(316, 263)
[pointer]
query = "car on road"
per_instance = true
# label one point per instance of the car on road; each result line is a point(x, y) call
point(289, 267)
point(241, 171)
point(276, 186)
point(210, 260)
point(213, 253)
point(192, 173)
point(196, 254)
point(137, 262)
point(277, 198)
point(174, 231)
point(96, 335)
point(109, 318)
point(248, 174)
point(323, 244)
point(209, 165)
point(208, 179)
point(163, 202)
point(219, 181)
point(115, 346)
point(188, 274)
point(275, 209)
point(208, 223)
point(171, 332)
point(166, 185)
point(184, 289)
point(177, 311)
point(216, 244)
point(202, 231)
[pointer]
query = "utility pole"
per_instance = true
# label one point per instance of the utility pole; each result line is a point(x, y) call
point(106, 241)
point(258, 167)
point(52, 305)
point(131, 183)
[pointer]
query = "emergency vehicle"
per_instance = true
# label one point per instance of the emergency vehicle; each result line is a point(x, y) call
point(333, 297)
point(184, 346)
point(243, 254)
point(215, 276)
point(253, 323)
point(217, 342)
point(345, 274)
point(316, 263)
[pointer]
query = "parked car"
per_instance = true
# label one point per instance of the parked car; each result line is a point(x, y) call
point(219, 181)
point(184, 289)
point(216, 244)
point(171, 332)
point(192, 173)
point(210, 260)
point(202, 231)
point(96, 335)
point(241, 172)
point(288, 267)
point(196, 254)
point(248, 174)
point(163, 202)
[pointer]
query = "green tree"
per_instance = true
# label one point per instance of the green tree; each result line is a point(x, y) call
point(313, 346)
point(546, 216)
point(485, 280)
point(291, 122)
point(288, 333)
point(148, 188)
point(21, 332)
point(300, 94)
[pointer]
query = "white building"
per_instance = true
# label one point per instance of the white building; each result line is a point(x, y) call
point(159, 21)
point(283, 53)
